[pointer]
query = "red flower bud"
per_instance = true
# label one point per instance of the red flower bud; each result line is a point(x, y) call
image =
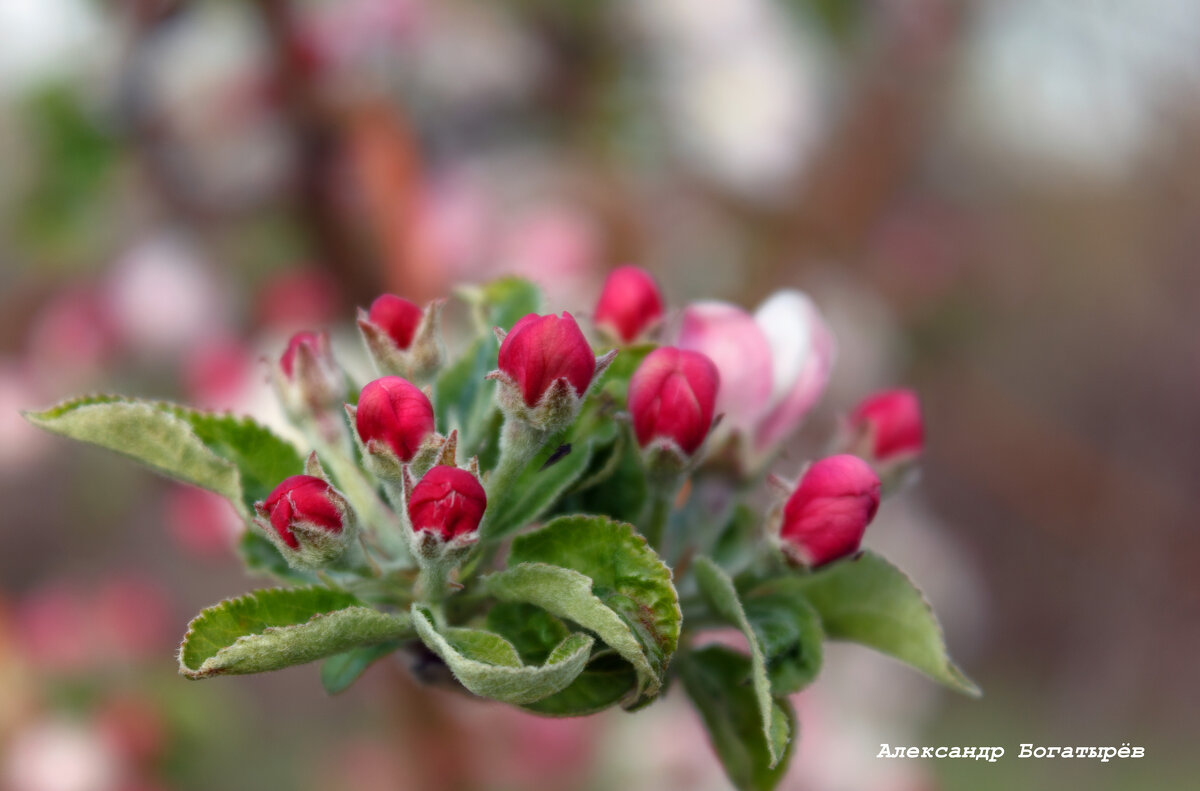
point(629, 304)
point(892, 421)
point(302, 498)
point(397, 317)
point(308, 378)
point(315, 343)
point(448, 501)
point(394, 412)
point(825, 518)
point(671, 396)
point(541, 350)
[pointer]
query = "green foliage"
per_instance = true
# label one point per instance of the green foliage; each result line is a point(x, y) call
point(275, 628)
point(544, 480)
point(490, 666)
point(625, 575)
point(718, 681)
point(232, 456)
point(722, 597)
point(870, 601)
point(339, 671)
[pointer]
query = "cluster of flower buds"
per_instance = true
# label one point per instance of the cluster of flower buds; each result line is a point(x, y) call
point(755, 376)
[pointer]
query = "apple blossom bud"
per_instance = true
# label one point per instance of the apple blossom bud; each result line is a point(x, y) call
point(671, 398)
point(729, 337)
point(629, 305)
point(402, 338)
point(802, 355)
point(307, 519)
point(545, 367)
point(825, 517)
point(448, 501)
point(394, 420)
point(307, 377)
point(889, 425)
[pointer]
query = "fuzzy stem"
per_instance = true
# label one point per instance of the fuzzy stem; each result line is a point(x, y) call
point(519, 443)
point(659, 512)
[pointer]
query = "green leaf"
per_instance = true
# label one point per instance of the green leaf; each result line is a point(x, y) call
point(489, 666)
point(545, 479)
point(623, 573)
point(717, 680)
point(870, 601)
point(508, 299)
point(279, 627)
point(234, 457)
point(339, 671)
point(463, 398)
point(568, 594)
point(790, 634)
point(262, 557)
point(722, 597)
point(534, 633)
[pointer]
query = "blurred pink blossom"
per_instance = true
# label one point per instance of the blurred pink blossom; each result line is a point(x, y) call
point(203, 523)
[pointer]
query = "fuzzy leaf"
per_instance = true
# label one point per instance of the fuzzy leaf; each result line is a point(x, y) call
point(870, 601)
point(488, 665)
point(275, 628)
point(463, 398)
point(340, 671)
point(616, 568)
point(551, 473)
point(789, 631)
point(722, 597)
point(506, 300)
point(534, 633)
point(717, 680)
point(232, 456)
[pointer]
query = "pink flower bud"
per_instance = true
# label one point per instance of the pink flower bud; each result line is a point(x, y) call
point(671, 397)
point(403, 339)
point(729, 337)
point(827, 514)
point(302, 499)
point(802, 354)
point(312, 341)
point(397, 317)
point(448, 501)
point(392, 411)
point(308, 378)
point(542, 350)
point(630, 303)
point(891, 421)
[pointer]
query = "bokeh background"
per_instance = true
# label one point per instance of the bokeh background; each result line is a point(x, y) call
point(995, 202)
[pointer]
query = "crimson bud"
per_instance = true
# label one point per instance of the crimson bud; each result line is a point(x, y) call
point(890, 425)
point(545, 367)
point(307, 519)
point(825, 517)
point(671, 398)
point(629, 305)
point(394, 420)
point(448, 501)
point(402, 338)
point(307, 377)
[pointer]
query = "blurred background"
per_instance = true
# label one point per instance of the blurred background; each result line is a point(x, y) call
point(995, 202)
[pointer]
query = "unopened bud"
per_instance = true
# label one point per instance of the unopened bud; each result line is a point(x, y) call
point(402, 338)
point(307, 519)
point(825, 517)
point(630, 304)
